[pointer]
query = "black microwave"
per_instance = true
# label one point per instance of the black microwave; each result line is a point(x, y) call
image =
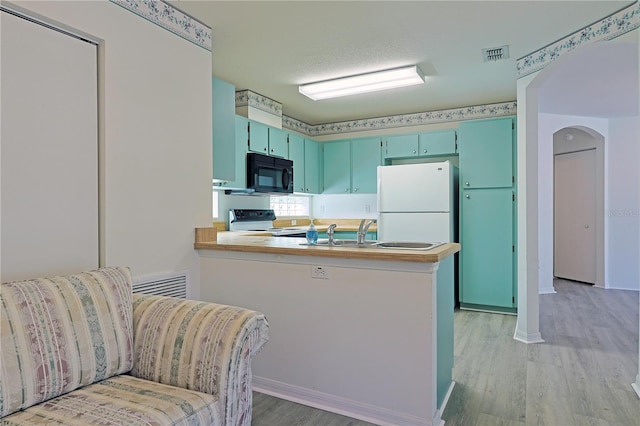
point(269, 174)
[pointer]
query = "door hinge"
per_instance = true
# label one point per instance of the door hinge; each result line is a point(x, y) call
point(455, 136)
point(513, 197)
point(513, 249)
point(513, 179)
point(513, 125)
point(513, 300)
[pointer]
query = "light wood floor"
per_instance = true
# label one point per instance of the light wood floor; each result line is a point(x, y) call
point(581, 375)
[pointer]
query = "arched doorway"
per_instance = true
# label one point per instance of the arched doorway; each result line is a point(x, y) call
point(612, 68)
point(602, 64)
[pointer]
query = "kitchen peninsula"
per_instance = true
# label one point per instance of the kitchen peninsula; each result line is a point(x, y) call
point(366, 332)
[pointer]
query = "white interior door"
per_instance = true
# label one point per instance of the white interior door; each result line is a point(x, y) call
point(49, 163)
point(575, 216)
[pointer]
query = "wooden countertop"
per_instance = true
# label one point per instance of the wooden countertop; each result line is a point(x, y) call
point(251, 242)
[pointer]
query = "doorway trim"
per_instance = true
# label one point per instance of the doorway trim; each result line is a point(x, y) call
point(580, 138)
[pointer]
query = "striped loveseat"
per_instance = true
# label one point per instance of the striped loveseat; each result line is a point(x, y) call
point(82, 349)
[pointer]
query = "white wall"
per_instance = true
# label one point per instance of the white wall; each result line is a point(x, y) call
point(155, 137)
point(622, 214)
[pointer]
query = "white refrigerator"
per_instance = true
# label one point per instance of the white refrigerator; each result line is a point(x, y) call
point(418, 202)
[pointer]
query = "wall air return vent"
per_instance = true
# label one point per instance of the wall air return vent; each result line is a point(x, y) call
point(173, 284)
point(493, 54)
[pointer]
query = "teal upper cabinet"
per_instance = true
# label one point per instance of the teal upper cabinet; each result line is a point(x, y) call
point(258, 137)
point(350, 166)
point(278, 142)
point(401, 146)
point(365, 159)
point(337, 167)
point(224, 110)
point(267, 140)
point(442, 142)
point(305, 155)
point(296, 154)
point(240, 153)
point(312, 161)
point(486, 153)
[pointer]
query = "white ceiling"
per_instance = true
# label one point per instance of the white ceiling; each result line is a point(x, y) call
point(271, 47)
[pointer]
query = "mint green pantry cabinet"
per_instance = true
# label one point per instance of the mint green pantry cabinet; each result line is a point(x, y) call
point(487, 154)
point(487, 215)
point(305, 155)
point(486, 237)
point(351, 166)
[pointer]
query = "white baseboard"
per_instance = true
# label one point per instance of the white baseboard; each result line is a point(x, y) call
point(336, 404)
point(636, 386)
point(444, 404)
point(527, 338)
point(547, 290)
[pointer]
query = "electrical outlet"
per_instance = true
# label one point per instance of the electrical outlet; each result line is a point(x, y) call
point(294, 222)
point(319, 272)
point(367, 208)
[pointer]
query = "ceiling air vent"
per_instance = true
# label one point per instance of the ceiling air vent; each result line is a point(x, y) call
point(495, 53)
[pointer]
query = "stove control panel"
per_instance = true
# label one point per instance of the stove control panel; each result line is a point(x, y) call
point(251, 215)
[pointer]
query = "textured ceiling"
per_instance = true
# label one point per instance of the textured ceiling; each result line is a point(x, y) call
point(271, 47)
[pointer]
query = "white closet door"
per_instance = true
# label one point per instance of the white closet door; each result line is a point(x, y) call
point(49, 151)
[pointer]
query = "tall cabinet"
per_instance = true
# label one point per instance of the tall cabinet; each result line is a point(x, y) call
point(487, 215)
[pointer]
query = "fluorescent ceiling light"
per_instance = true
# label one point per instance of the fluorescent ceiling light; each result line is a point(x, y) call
point(363, 83)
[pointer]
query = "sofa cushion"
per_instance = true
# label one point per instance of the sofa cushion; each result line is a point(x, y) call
point(123, 400)
point(61, 333)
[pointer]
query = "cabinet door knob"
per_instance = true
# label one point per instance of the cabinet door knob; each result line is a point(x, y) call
point(467, 196)
point(346, 190)
point(467, 183)
point(355, 189)
point(425, 151)
point(414, 151)
point(265, 149)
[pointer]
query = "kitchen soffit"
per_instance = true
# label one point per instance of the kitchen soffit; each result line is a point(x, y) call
point(272, 47)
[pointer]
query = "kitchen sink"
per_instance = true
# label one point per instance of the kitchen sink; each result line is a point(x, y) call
point(403, 245)
point(407, 245)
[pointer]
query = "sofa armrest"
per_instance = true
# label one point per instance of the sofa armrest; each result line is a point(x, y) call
point(200, 346)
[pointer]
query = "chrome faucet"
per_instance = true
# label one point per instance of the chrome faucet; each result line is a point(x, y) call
point(330, 231)
point(362, 231)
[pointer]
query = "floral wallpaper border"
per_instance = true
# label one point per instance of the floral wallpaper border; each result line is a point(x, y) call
point(170, 18)
point(404, 120)
point(256, 100)
point(621, 22)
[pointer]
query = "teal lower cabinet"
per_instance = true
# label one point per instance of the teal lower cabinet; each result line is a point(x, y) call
point(488, 250)
point(445, 307)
